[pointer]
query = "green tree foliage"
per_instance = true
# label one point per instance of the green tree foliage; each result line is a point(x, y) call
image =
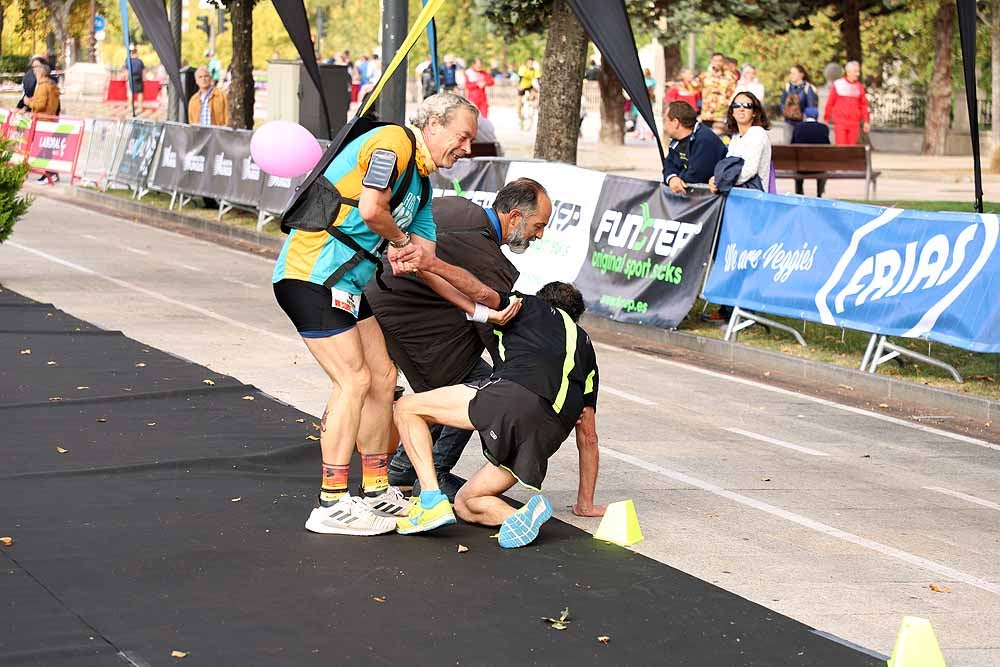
point(13, 204)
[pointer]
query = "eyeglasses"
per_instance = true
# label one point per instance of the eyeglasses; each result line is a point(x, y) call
point(741, 105)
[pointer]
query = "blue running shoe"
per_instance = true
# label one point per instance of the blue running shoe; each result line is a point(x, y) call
point(521, 527)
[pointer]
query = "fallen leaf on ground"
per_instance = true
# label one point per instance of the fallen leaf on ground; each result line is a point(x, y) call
point(560, 623)
point(178, 654)
point(846, 386)
point(50, 363)
point(604, 639)
point(6, 541)
point(61, 450)
point(55, 398)
point(883, 405)
point(208, 382)
point(236, 499)
point(866, 456)
point(300, 421)
point(938, 588)
point(494, 536)
point(82, 387)
point(311, 437)
point(767, 374)
point(26, 350)
point(101, 420)
point(462, 548)
point(141, 364)
point(248, 398)
point(378, 599)
point(316, 427)
point(150, 423)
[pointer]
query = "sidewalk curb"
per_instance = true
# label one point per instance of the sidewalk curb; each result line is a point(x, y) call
point(734, 356)
point(872, 387)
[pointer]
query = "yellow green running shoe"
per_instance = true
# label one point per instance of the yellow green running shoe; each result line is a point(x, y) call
point(420, 519)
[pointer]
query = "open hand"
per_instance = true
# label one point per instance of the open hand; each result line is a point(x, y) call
point(507, 314)
point(712, 186)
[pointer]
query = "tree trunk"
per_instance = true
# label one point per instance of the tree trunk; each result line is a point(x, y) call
point(671, 61)
point(241, 89)
point(939, 93)
point(850, 29)
point(3, 11)
point(995, 67)
point(559, 106)
point(612, 106)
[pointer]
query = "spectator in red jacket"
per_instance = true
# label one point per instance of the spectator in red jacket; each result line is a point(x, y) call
point(688, 89)
point(847, 106)
point(477, 80)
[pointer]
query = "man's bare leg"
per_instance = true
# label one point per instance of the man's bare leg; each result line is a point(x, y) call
point(478, 501)
point(376, 415)
point(448, 406)
point(342, 357)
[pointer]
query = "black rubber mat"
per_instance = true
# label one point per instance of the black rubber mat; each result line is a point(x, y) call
point(173, 522)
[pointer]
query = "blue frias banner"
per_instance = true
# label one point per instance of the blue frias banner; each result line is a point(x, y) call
point(889, 271)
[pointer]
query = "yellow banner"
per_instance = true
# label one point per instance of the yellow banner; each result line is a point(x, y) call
point(426, 14)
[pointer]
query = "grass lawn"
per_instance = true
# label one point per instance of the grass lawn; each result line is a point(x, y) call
point(236, 217)
point(827, 344)
point(846, 348)
point(951, 206)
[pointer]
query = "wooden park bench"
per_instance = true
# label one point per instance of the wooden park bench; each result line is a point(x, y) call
point(822, 161)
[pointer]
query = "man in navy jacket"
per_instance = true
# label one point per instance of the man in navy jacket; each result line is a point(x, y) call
point(811, 131)
point(694, 148)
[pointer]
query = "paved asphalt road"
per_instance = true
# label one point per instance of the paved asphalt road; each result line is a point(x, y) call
point(836, 516)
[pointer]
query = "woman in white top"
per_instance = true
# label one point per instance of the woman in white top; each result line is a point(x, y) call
point(750, 83)
point(748, 125)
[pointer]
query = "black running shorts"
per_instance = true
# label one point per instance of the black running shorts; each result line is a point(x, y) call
point(310, 308)
point(519, 430)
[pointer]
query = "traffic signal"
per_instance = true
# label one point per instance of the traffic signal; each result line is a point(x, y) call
point(221, 22)
point(203, 25)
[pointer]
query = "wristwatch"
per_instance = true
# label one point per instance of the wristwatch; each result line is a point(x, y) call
point(402, 244)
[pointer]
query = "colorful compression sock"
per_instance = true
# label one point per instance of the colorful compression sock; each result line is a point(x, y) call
point(374, 474)
point(334, 484)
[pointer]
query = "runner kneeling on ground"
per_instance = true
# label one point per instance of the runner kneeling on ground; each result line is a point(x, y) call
point(544, 383)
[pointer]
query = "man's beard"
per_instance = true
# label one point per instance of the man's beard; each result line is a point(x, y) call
point(517, 243)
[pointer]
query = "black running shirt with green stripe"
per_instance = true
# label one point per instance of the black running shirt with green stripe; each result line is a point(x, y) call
point(546, 352)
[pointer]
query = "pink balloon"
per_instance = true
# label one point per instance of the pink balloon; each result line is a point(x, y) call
point(283, 148)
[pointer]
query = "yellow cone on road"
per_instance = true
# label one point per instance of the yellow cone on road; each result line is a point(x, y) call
point(620, 524)
point(916, 645)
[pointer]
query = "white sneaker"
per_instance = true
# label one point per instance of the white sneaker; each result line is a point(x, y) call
point(349, 516)
point(390, 502)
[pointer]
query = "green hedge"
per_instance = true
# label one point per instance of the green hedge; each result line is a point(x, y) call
point(14, 63)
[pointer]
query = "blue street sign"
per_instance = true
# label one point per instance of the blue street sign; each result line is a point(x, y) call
point(99, 23)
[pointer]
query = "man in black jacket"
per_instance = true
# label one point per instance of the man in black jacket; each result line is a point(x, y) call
point(543, 386)
point(431, 341)
point(694, 148)
point(811, 131)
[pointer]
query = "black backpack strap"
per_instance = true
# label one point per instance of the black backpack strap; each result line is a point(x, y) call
point(404, 182)
point(359, 255)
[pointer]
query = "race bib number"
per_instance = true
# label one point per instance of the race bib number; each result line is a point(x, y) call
point(346, 301)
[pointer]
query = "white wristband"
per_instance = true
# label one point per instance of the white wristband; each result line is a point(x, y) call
point(482, 314)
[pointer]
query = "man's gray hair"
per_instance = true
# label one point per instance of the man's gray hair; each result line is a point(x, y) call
point(45, 68)
point(442, 105)
point(852, 62)
point(521, 194)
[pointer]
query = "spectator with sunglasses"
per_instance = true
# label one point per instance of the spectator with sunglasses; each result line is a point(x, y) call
point(747, 124)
